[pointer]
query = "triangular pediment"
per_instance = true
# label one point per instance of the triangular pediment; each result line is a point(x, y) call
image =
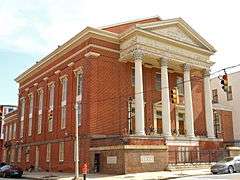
point(176, 33)
point(178, 30)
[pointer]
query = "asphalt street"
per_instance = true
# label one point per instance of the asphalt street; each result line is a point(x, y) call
point(235, 176)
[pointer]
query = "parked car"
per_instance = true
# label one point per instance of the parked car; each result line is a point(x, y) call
point(227, 165)
point(2, 164)
point(11, 171)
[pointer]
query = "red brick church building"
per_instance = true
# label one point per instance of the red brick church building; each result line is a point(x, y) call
point(115, 83)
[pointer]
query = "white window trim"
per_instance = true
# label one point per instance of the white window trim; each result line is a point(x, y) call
point(61, 151)
point(157, 73)
point(51, 89)
point(48, 153)
point(22, 108)
point(10, 132)
point(31, 103)
point(40, 108)
point(179, 109)
point(156, 107)
point(19, 155)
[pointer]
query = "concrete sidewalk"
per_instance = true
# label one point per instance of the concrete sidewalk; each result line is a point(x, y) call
point(135, 176)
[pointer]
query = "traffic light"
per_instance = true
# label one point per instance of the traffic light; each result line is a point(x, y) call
point(174, 96)
point(50, 115)
point(224, 82)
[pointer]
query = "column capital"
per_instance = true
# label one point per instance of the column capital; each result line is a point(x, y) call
point(137, 55)
point(186, 67)
point(164, 61)
point(206, 72)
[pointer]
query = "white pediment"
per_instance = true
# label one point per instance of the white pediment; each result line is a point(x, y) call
point(174, 32)
point(177, 30)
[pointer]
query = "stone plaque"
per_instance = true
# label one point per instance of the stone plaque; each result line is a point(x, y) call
point(111, 159)
point(147, 159)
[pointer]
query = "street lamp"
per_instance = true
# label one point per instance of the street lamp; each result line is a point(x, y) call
point(76, 145)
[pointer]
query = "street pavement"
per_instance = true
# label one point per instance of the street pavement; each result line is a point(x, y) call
point(234, 176)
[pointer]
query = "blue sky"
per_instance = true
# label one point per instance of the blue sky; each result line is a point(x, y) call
point(31, 29)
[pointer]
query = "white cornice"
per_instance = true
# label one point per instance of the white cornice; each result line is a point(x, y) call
point(138, 31)
point(87, 32)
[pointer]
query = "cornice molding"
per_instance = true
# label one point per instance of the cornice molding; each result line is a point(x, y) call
point(82, 36)
point(92, 54)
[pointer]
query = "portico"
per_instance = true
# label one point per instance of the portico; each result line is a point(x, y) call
point(172, 47)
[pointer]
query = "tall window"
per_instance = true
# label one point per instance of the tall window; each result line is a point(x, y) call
point(40, 108)
point(48, 154)
point(30, 114)
point(22, 117)
point(133, 76)
point(79, 97)
point(12, 156)
point(180, 85)
point(215, 96)
point(131, 116)
point(181, 124)
point(158, 82)
point(217, 122)
point(10, 132)
point(159, 121)
point(19, 154)
point(61, 151)
point(64, 102)
point(229, 93)
point(14, 130)
point(51, 104)
point(6, 133)
point(27, 153)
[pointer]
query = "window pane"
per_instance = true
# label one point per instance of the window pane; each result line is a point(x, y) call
point(180, 85)
point(63, 117)
point(229, 93)
point(64, 89)
point(133, 77)
point(158, 82)
point(215, 95)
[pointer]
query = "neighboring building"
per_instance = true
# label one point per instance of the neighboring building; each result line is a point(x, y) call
point(228, 103)
point(4, 109)
point(10, 143)
point(115, 82)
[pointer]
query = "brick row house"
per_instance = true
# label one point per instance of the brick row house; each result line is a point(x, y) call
point(115, 83)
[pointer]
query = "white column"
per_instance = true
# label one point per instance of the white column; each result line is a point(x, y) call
point(208, 105)
point(166, 118)
point(188, 102)
point(139, 100)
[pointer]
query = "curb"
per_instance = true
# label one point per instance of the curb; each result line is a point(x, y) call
point(183, 176)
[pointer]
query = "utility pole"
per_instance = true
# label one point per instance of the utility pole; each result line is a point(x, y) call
point(76, 145)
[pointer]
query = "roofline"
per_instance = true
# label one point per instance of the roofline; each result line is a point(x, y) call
point(129, 22)
point(63, 47)
point(140, 30)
